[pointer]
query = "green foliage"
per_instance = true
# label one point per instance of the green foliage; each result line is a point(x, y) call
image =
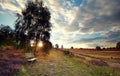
point(6, 36)
point(66, 52)
point(72, 47)
point(118, 45)
point(47, 45)
point(98, 48)
point(102, 71)
point(62, 47)
point(33, 24)
point(56, 46)
point(93, 70)
point(21, 73)
point(7, 42)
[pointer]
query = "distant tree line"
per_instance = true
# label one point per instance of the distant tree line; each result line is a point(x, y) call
point(6, 34)
point(97, 47)
point(109, 48)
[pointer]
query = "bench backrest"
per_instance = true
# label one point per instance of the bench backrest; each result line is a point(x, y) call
point(29, 55)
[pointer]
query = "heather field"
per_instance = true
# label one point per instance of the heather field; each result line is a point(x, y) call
point(107, 55)
point(57, 63)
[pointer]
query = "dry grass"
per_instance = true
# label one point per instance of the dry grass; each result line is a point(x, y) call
point(57, 64)
point(111, 56)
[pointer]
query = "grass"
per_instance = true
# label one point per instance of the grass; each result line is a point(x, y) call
point(104, 55)
point(58, 64)
point(93, 70)
point(22, 71)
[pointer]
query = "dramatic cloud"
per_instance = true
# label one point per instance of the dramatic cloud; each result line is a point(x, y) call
point(97, 16)
point(89, 40)
point(82, 23)
point(14, 6)
point(113, 36)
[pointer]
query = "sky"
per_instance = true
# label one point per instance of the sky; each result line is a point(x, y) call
point(77, 23)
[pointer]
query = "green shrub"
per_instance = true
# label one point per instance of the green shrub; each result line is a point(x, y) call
point(66, 52)
point(98, 48)
point(1, 47)
point(21, 73)
point(47, 45)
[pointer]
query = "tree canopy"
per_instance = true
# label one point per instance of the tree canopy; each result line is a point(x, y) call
point(33, 24)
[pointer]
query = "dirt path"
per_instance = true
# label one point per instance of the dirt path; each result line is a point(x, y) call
point(56, 64)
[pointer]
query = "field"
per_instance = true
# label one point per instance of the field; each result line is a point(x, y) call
point(58, 64)
point(107, 55)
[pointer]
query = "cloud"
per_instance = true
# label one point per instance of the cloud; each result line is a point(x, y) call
point(97, 16)
point(69, 20)
point(21, 3)
point(90, 17)
point(113, 36)
point(12, 5)
point(89, 40)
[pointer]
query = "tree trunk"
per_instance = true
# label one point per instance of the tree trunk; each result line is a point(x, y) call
point(35, 47)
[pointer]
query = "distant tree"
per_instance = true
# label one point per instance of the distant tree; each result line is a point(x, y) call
point(5, 33)
point(80, 48)
point(98, 48)
point(104, 48)
point(118, 45)
point(33, 24)
point(62, 46)
point(56, 46)
point(72, 47)
point(111, 48)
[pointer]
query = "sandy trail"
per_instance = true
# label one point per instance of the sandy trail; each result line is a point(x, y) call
point(56, 64)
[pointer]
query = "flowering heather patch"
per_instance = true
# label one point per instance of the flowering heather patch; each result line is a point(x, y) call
point(10, 62)
point(14, 68)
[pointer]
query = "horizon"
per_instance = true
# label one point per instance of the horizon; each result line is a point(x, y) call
point(77, 23)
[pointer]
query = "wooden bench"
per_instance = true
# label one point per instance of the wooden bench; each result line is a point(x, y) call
point(30, 57)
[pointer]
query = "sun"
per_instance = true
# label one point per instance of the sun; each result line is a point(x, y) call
point(40, 44)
